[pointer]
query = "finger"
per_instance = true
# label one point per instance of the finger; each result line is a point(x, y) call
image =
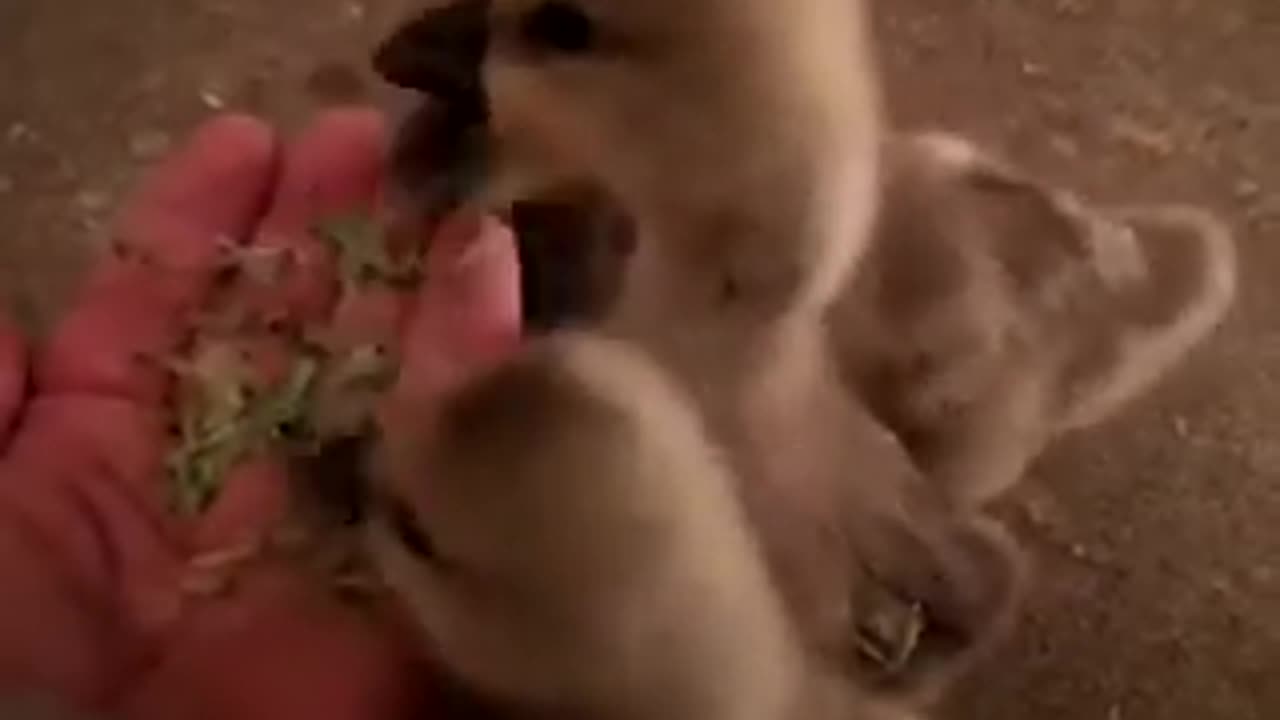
point(467, 315)
point(13, 376)
point(281, 649)
point(253, 501)
point(333, 170)
point(139, 304)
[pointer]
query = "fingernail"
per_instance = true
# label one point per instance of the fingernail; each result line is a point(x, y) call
point(467, 242)
point(475, 292)
point(488, 240)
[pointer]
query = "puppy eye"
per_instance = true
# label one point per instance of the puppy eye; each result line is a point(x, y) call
point(408, 531)
point(558, 26)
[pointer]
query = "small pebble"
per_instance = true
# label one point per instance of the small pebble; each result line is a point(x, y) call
point(1246, 189)
point(6, 184)
point(1181, 427)
point(1221, 585)
point(149, 144)
point(1264, 575)
point(1137, 135)
point(1064, 146)
point(212, 100)
point(1034, 70)
point(356, 11)
point(19, 132)
point(92, 200)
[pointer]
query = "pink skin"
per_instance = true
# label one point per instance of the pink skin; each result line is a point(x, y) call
point(90, 561)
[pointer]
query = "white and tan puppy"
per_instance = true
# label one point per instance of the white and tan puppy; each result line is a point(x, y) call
point(572, 545)
point(994, 312)
point(740, 139)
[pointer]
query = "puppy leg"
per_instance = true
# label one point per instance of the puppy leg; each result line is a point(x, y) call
point(568, 539)
point(941, 593)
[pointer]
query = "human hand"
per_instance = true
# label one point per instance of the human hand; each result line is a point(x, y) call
point(93, 563)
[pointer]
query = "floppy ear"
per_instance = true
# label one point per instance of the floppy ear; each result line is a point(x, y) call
point(946, 593)
point(439, 52)
point(441, 148)
point(573, 250)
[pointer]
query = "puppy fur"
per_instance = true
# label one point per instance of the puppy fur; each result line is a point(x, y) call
point(750, 194)
point(993, 312)
point(570, 542)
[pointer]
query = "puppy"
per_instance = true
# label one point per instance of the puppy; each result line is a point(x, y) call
point(993, 312)
point(749, 194)
point(572, 545)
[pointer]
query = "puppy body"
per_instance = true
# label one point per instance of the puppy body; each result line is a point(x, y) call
point(580, 550)
point(993, 313)
point(741, 141)
point(751, 188)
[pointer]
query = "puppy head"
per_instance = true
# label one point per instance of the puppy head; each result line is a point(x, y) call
point(565, 538)
point(688, 115)
point(627, 89)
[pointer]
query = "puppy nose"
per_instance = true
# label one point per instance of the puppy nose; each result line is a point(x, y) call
point(439, 52)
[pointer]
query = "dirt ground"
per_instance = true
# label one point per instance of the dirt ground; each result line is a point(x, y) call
point(1157, 537)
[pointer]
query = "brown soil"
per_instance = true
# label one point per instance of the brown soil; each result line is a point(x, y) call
point(1157, 537)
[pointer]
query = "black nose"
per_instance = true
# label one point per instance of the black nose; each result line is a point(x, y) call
point(440, 52)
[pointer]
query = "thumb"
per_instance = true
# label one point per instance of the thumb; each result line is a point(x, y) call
point(13, 375)
point(467, 315)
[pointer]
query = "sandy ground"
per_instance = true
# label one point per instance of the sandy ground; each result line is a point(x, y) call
point(1157, 537)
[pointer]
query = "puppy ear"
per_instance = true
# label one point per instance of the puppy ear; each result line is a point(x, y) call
point(439, 52)
point(945, 593)
point(441, 149)
point(573, 256)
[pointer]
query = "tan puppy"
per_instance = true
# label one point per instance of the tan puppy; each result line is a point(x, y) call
point(750, 193)
point(572, 545)
point(994, 312)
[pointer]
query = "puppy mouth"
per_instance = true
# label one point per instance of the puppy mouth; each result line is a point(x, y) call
point(573, 242)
